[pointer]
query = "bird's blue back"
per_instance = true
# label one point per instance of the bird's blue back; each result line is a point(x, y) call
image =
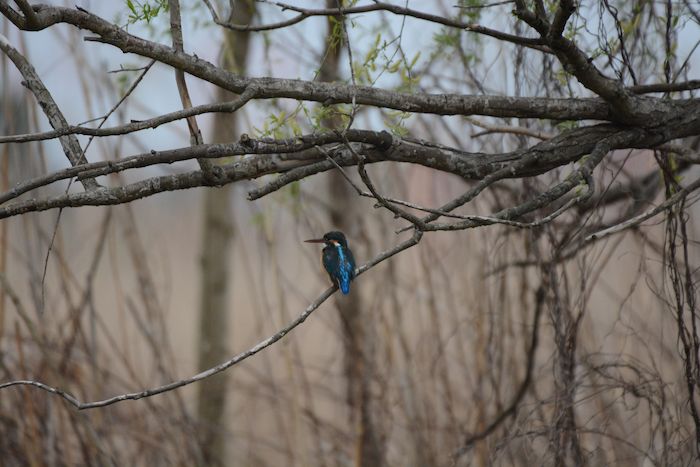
point(340, 265)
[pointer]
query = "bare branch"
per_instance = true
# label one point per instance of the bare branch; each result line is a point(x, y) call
point(666, 87)
point(70, 144)
point(415, 238)
point(11, 14)
point(328, 93)
point(28, 12)
point(416, 221)
point(137, 125)
point(625, 104)
point(491, 129)
point(305, 13)
point(192, 126)
point(212, 10)
point(679, 196)
point(582, 174)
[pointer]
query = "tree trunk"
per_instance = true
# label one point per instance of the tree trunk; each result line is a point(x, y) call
point(217, 237)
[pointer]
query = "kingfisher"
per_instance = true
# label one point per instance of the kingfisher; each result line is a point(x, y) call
point(337, 259)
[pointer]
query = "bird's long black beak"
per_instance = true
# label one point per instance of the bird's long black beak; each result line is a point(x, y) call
point(315, 240)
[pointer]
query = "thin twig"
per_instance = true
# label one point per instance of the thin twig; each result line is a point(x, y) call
point(635, 221)
point(212, 11)
point(137, 125)
point(196, 138)
point(304, 13)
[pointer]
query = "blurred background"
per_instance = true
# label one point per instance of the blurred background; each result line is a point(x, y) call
point(430, 346)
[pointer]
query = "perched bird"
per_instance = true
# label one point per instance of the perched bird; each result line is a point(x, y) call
point(337, 259)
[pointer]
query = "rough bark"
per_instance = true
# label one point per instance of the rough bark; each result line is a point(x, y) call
point(217, 237)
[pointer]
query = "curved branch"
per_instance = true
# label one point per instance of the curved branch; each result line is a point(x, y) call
point(582, 174)
point(666, 87)
point(677, 197)
point(304, 13)
point(136, 125)
point(29, 14)
point(296, 159)
point(415, 238)
point(291, 155)
point(626, 105)
point(326, 93)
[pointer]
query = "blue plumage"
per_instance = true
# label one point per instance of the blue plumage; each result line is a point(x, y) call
point(337, 260)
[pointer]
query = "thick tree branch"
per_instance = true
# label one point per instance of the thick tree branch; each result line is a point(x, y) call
point(298, 159)
point(29, 14)
point(626, 106)
point(327, 93)
point(564, 11)
point(11, 14)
